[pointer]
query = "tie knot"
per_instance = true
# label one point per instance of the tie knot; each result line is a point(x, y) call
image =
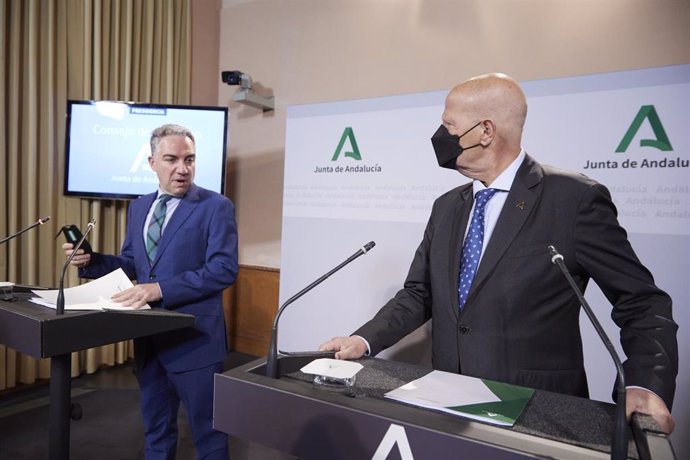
point(483, 196)
point(164, 198)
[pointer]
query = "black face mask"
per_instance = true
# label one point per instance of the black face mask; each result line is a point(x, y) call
point(447, 147)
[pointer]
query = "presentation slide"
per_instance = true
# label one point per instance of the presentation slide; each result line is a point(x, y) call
point(108, 146)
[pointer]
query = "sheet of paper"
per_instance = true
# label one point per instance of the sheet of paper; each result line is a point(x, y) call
point(493, 402)
point(94, 295)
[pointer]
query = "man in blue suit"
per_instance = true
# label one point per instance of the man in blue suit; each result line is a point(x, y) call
point(181, 248)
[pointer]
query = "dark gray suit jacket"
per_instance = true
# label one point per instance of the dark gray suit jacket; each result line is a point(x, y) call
point(521, 321)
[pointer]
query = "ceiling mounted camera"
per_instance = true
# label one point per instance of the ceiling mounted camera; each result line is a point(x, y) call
point(246, 94)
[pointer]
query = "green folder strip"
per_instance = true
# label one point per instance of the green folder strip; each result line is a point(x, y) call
point(507, 410)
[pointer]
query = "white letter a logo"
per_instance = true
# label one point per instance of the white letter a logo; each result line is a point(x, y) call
point(140, 163)
point(394, 435)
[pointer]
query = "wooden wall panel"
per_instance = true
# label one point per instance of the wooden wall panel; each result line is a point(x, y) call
point(250, 306)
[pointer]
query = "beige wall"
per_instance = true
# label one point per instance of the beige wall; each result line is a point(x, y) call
point(205, 50)
point(309, 51)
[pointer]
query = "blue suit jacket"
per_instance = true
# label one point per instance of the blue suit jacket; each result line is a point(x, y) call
point(196, 260)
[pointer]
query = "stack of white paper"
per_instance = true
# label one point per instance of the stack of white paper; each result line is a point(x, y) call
point(94, 295)
point(485, 400)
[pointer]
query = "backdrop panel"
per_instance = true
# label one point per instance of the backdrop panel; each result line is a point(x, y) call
point(364, 170)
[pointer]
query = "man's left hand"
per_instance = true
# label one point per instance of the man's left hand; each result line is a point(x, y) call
point(646, 402)
point(139, 295)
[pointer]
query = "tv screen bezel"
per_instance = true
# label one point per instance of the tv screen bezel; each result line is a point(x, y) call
point(128, 196)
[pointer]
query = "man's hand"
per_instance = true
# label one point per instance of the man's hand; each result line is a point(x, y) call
point(646, 402)
point(80, 259)
point(138, 296)
point(345, 347)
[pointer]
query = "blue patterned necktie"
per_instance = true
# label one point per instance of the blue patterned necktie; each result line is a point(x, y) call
point(472, 249)
point(153, 234)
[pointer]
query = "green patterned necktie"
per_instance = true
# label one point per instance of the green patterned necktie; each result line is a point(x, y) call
point(153, 234)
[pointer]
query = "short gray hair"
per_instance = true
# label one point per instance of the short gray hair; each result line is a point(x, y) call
point(169, 130)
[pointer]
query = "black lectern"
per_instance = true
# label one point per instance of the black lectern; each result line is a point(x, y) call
point(38, 332)
point(293, 415)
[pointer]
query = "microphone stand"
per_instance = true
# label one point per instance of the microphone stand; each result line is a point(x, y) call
point(272, 357)
point(619, 443)
point(35, 224)
point(61, 407)
point(60, 304)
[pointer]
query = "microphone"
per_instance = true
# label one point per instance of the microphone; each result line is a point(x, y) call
point(272, 357)
point(40, 221)
point(60, 304)
point(619, 443)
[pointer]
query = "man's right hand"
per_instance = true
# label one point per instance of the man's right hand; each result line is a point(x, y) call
point(345, 347)
point(80, 259)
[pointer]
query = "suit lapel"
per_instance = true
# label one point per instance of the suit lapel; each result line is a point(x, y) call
point(521, 200)
point(139, 220)
point(461, 215)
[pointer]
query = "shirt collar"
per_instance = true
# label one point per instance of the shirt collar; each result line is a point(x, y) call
point(171, 200)
point(504, 180)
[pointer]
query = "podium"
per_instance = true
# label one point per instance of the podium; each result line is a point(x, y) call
point(38, 332)
point(293, 415)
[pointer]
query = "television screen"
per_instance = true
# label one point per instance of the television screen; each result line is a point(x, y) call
point(107, 146)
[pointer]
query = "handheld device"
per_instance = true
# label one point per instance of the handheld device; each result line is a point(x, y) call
point(73, 235)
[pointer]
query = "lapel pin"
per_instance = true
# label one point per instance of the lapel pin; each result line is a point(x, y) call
point(521, 205)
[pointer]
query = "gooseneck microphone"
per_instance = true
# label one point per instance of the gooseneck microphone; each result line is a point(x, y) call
point(272, 357)
point(619, 443)
point(60, 304)
point(40, 221)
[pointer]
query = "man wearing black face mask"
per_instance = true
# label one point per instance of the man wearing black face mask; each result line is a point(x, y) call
point(447, 146)
point(499, 308)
